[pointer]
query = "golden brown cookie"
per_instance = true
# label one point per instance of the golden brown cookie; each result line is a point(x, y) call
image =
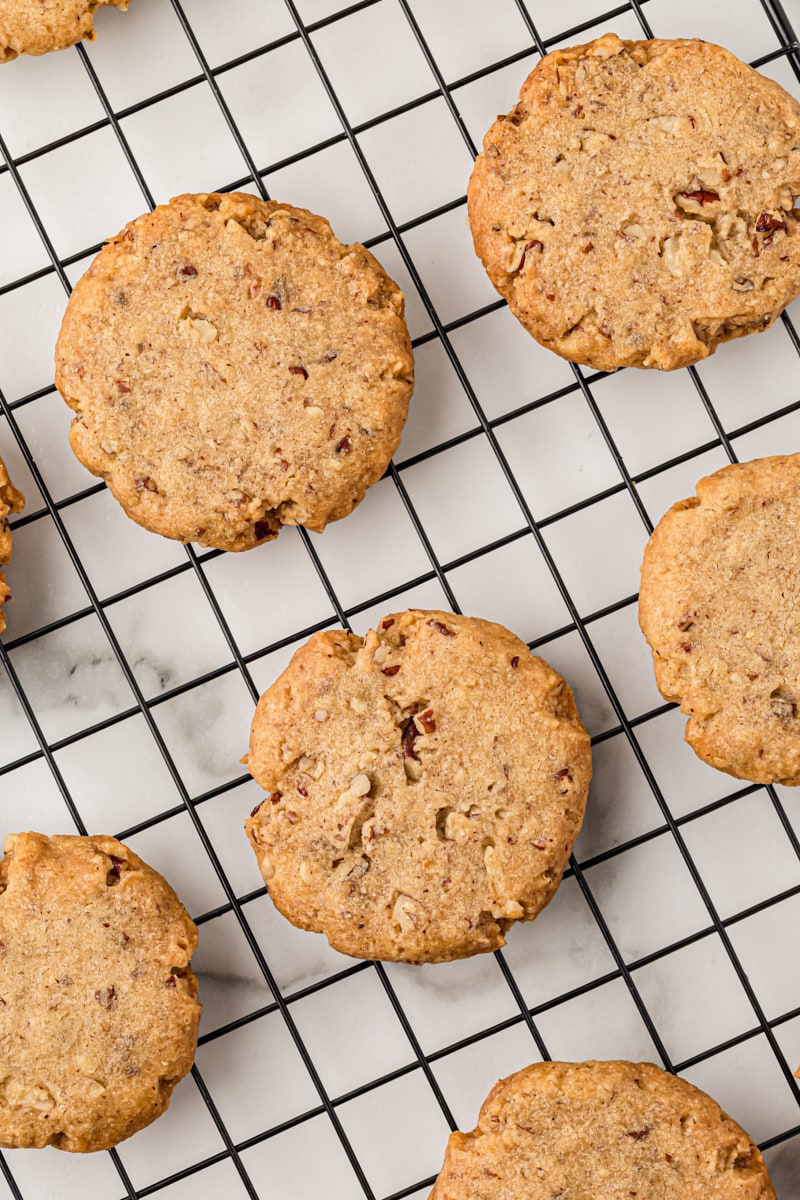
point(426, 784)
point(635, 206)
point(39, 26)
point(601, 1129)
point(234, 369)
point(11, 501)
point(719, 604)
point(98, 1003)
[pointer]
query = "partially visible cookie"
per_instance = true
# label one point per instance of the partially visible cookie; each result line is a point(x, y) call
point(11, 501)
point(98, 1004)
point(426, 785)
point(720, 606)
point(39, 26)
point(234, 368)
point(635, 207)
point(601, 1129)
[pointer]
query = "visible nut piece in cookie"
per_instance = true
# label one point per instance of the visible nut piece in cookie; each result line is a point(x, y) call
point(360, 785)
point(21, 1095)
point(670, 124)
point(701, 197)
point(204, 330)
point(767, 223)
point(311, 874)
point(671, 254)
point(408, 914)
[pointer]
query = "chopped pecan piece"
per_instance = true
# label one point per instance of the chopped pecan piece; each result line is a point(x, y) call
point(112, 877)
point(766, 223)
point(427, 721)
point(702, 197)
point(408, 739)
point(534, 244)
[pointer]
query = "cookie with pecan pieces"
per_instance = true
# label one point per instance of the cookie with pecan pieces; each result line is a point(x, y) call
point(636, 206)
point(426, 782)
point(39, 26)
point(11, 501)
point(98, 1004)
point(234, 368)
point(719, 604)
point(601, 1129)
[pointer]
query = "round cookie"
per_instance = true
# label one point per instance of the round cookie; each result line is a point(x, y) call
point(719, 604)
point(39, 26)
point(234, 369)
point(635, 207)
point(426, 784)
point(98, 1004)
point(11, 501)
point(611, 1129)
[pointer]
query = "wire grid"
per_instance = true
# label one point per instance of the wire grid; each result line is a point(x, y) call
point(348, 1164)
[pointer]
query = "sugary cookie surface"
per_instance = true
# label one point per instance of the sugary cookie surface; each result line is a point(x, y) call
point(11, 501)
point(234, 369)
point(98, 1004)
point(427, 784)
point(39, 26)
point(601, 1129)
point(635, 207)
point(719, 606)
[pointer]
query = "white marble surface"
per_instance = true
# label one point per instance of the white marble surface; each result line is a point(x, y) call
point(358, 1024)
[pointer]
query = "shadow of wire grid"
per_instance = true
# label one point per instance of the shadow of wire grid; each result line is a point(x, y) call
point(523, 491)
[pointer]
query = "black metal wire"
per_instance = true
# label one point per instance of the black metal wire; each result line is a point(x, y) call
point(240, 663)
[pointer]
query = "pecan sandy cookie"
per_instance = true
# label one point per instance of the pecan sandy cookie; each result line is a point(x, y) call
point(720, 606)
point(635, 207)
point(11, 501)
point(39, 26)
point(234, 369)
point(426, 785)
point(98, 1003)
point(610, 1129)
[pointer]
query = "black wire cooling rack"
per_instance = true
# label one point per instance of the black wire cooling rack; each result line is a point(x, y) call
point(232, 1169)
